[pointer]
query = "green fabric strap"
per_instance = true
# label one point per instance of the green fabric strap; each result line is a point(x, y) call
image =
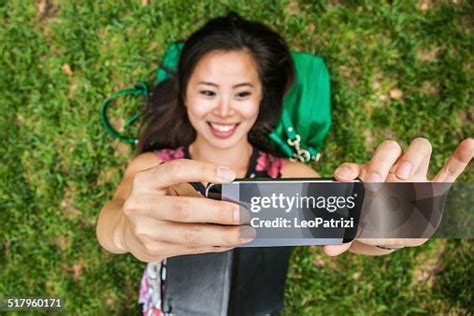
point(140, 89)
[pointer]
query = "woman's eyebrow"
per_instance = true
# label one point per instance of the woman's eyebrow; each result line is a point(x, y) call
point(243, 84)
point(208, 83)
point(234, 86)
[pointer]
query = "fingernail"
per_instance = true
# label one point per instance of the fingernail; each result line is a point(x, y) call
point(404, 170)
point(242, 215)
point(247, 233)
point(237, 215)
point(343, 172)
point(373, 177)
point(225, 174)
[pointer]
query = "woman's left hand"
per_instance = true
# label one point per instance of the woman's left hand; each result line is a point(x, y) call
point(390, 164)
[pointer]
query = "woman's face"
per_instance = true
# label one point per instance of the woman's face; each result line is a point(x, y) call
point(223, 97)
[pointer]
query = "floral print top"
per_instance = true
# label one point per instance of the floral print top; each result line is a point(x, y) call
point(152, 287)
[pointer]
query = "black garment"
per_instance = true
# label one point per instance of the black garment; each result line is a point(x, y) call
point(243, 281)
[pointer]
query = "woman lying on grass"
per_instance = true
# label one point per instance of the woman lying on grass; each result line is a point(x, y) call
point(208, 123)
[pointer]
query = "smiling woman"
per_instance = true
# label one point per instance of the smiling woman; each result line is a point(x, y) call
point(214, 111)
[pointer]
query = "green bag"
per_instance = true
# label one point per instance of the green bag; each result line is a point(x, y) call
point(306, 115)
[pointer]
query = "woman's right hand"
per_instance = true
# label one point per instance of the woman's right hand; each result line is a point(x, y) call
point(164, 216)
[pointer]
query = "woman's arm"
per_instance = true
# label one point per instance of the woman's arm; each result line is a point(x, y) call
point(110, 220)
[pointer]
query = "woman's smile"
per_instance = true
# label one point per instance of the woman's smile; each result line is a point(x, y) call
point(222, 130)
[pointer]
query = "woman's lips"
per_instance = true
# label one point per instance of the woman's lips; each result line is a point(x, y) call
point(222, 130)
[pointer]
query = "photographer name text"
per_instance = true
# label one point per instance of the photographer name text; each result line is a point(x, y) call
point(317, 222)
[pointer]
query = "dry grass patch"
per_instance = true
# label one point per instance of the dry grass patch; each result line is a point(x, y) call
point(430, 266)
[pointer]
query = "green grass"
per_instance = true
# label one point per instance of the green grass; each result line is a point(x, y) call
point(59, 166)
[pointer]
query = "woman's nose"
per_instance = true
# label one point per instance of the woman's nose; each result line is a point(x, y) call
point(224, 107)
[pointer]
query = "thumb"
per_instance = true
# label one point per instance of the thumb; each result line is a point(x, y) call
point(349, 171)
point(336, 250)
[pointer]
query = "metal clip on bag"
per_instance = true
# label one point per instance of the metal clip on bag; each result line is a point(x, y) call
point(306, 115)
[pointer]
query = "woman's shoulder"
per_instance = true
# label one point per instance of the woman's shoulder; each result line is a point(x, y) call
point(294, 169)
point(143, 161)
point(153, 158)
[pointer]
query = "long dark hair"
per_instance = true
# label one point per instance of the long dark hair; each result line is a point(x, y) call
point(165, 122)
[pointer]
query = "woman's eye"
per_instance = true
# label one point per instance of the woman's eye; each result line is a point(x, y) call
point(241, 95)
point(207, 93)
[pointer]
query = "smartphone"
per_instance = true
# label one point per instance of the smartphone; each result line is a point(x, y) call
point(296, 211)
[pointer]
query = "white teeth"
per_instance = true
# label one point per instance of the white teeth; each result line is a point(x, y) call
point(223, 128)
